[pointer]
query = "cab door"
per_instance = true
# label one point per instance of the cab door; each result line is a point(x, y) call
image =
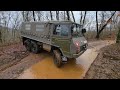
point(61, 38)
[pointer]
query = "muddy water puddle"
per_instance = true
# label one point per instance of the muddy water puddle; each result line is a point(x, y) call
point(73, 69)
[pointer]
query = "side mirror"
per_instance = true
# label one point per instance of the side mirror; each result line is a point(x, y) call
point(83, 30)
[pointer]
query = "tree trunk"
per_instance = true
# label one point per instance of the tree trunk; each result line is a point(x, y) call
point(68, 16)
point(81, 18)
point(0, 36)
point(34, 16)
point(118, 34)
point(73, 16)
point(39, 15)
point(57, 15)
point(14, 35)
point(97, 36)
point(64, 16)
point(23, 15)
point(51, 15)
point(27, 18)
point(97, 24)
point(111, 28)
point(84, 17)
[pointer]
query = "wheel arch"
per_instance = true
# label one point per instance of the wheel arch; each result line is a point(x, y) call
point(57, 48)
point(23, 40)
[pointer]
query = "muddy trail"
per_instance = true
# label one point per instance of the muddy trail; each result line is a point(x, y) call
point(74, 69)
point(11, 55)
point(107, 64)
point(16, 62)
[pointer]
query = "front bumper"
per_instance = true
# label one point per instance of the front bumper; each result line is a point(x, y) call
point(81, 52)
point(77, 55)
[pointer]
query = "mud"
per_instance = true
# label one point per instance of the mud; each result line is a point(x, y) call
point(10, 56)
point(15, 70)
point(47, 70)
point(74, 69)
point(107, 64)
point(16, 63)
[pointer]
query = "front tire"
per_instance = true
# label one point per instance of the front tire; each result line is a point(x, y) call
point(57, 58)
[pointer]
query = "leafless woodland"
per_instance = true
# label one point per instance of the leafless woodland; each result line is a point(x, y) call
point(100, 25)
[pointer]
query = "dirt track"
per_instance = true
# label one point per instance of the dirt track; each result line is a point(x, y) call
point(15, 61)
point(107, 64)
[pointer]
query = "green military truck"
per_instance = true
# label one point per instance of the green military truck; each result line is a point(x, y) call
point(65, 39)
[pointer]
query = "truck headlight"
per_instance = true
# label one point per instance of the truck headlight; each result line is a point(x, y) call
point(85, 41)
point(77, 47)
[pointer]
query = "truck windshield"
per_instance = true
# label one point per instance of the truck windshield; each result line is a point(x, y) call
point(76, 30)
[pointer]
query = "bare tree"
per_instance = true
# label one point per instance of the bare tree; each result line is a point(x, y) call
point(25, 15)
point(39, 15)
point(15, 24)
point(98, 34)
point(102, 15)
point(5, 17)
point(84, 18)
point(0, 31)
point(57, 15)
point(8, 18)
point(68, 15)
point(81, 18)
point(51, 15)
point(73, 16)
point(61, 15)
point(118, 34)
point(118, 27)
point(97, 21)
point(64, 16)
point(47, 16)
point(34, 15)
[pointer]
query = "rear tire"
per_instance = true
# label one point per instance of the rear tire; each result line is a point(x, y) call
point(34, 47)
point(27, 44)
point(57, 58)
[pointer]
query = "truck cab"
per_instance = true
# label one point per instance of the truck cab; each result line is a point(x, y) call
point(69, 37)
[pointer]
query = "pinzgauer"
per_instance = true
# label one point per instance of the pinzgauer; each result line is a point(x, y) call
point(65, 39)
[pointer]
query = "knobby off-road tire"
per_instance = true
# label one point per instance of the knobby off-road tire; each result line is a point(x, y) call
point(57, 58)
point(27, 44)
point(34, 47)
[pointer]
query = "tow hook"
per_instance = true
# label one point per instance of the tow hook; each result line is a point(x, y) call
point(64, 59)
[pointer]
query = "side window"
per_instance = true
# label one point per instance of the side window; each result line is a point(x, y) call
point(61, 30)
point(39, 27)
point(57, 30)
point(27, 27)
point(64, 30)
